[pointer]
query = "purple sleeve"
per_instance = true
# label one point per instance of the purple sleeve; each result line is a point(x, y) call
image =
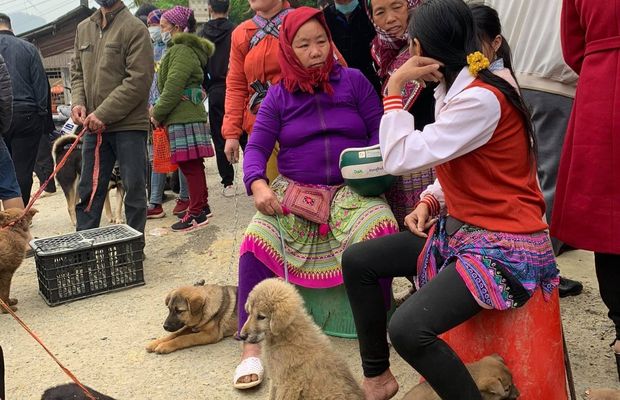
point(369, 106)
point(262, 140)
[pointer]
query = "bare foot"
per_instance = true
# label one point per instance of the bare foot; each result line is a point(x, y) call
point(382, 387)
point(249, 350)
point(12, 302)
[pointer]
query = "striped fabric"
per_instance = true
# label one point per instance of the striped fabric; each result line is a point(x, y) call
point(190, 141)
point(501, 270)
point(404, 194)
point(314, 260)
point(392, 103)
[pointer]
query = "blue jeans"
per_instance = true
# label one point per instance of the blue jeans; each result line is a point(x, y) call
point(158, 182)
point(9, 188)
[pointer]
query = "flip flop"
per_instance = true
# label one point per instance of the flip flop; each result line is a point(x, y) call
point(249, 366)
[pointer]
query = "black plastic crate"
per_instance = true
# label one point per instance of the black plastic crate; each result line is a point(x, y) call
point(87, 263)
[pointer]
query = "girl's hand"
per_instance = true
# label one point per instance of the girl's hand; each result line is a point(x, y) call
point(265, 199)
point(420, 220)
point(416, 68)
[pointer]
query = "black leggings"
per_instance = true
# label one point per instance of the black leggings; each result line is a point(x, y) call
point(608, 274)
point(437, 307)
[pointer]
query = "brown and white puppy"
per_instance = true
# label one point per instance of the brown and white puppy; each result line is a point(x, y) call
point(300, 359)
point(13, 246)
point(199, 314)
point(602, 394)
point(491, 375)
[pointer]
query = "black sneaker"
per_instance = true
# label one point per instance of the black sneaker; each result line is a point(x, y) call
point(569, 287)
point(207, 211)
point(190, 222)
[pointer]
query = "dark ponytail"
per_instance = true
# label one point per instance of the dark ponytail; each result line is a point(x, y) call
point(488, 26)
point(191, 23)
point(446, 32)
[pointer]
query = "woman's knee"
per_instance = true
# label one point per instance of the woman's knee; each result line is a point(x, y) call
point(409, 334)
point(355, 262)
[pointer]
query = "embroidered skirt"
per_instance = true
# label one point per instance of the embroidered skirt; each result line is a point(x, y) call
point(405, 193)
point(501, 270)
point(314, 260)
point(190, 141)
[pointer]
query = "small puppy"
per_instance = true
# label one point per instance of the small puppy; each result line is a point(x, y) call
point(299, 358)
point(71, 391)
point(13, 246)
point(491, 375)
point(198, 314)
point(602, 394)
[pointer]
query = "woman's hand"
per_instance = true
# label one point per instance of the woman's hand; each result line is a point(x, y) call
point(419, 220)
point(231, 149)
point(265, 199)
point(416, 68)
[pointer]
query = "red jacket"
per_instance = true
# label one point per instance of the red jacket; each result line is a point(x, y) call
point(586, 212)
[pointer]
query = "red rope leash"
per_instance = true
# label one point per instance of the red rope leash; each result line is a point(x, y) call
point(64, 369)
point(95, 171)
point(59, 166)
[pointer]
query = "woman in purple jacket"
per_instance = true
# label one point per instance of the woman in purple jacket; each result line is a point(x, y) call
point(316, 111)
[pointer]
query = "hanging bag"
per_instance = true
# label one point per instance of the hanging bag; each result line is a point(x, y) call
point(162, 163)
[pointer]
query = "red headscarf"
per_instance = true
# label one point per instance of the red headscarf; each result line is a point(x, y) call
point(294, 74)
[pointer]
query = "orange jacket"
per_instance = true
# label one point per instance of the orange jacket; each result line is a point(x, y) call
point(246, 67)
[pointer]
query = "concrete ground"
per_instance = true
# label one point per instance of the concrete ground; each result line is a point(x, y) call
point(102, 339)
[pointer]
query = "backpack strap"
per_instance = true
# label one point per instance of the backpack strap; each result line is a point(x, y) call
point(267, 26)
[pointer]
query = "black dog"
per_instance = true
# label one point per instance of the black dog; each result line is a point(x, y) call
point(71, 391)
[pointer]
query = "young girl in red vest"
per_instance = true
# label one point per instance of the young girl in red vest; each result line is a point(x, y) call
point(488, 246)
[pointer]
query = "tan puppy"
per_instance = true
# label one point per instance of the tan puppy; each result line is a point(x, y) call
point(13, 245)
point(199, 314)
point(602, 394)
point(299, 358)
point(491, 375)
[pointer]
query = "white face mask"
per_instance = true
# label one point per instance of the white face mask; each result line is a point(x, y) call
point(166, 37)
point(155, 32)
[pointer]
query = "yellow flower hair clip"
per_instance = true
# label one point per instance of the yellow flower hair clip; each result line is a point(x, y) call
point(477, 62)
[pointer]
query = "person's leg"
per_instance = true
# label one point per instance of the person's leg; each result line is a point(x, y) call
point(608, 275)
point(107, 158)
point(26, 130)
point(130, 149)
point(157, 188)
point(251, 273)
point(550, 115)
point(9, 188)
point(44, 165)
point(216, 117)
point(363, 266)
point(183, 188)
point(437, 307)
point(197, 185)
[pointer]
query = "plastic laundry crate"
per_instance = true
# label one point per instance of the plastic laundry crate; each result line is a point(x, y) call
point(87, 263)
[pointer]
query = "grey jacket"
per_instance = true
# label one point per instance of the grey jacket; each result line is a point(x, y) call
point(6, 98)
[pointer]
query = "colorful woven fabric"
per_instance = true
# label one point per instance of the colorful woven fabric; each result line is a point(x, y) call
point(314, 260)
point(179, 16)
point(190, 141)
point(405, 193)
point(501, 270)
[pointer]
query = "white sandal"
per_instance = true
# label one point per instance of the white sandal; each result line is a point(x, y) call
point(249, 366)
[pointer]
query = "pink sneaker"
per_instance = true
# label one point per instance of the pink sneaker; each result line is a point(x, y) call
point(181, 207)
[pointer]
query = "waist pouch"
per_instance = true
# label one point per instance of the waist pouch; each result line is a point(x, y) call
point(311, 202)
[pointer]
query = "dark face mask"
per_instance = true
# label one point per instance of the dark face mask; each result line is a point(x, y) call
point(106, 3)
